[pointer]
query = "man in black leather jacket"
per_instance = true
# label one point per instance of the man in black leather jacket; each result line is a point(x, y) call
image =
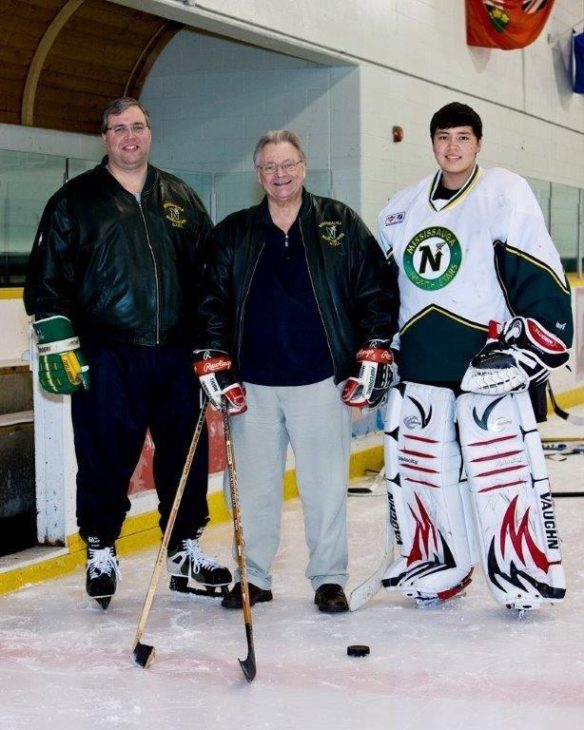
point(298, 310)
point(113, 285)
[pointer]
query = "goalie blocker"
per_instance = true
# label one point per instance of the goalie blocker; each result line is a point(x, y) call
point(436, 511)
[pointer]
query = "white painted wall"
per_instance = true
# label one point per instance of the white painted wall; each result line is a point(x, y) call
point(14, 340)
point(211, 99)
point(410, 57)
point(50, 142)
point(420, 38)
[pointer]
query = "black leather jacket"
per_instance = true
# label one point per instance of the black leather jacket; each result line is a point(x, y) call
point(120, 269)
point(352, 282)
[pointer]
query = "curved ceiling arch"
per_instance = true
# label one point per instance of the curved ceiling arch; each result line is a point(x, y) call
point(63, 61)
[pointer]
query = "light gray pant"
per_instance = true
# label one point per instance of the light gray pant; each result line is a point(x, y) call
point(317, 424)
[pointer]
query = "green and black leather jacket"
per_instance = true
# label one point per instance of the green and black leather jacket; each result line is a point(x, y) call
point(120, 269)
point(353, 285)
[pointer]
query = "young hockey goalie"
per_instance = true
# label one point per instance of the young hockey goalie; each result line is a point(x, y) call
point(485, 315)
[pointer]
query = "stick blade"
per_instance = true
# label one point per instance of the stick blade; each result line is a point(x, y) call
point(144, 654)
point(248, 667)
point(363, 593)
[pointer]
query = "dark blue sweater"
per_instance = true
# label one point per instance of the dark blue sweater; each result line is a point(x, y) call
point(284, 341)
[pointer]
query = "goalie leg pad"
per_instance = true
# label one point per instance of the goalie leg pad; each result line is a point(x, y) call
point(423, 465)
point(506, 470)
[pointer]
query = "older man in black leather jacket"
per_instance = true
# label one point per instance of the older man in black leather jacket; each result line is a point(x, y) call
point(298, 311)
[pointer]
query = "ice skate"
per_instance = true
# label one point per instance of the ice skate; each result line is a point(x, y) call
point(192, 571)
point(102, 571)
point(395, 574)
point(436, 589)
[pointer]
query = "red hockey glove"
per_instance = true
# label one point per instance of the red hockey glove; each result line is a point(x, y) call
point(218, 381)
point(518, 353)
point(376, 373)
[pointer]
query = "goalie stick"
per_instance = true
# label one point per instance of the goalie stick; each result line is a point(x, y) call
point(562, 448)
point(360, 491)
point(248, 665)
point(559, 448)
point(365, 591)
point(144, 654)
point(570, 417)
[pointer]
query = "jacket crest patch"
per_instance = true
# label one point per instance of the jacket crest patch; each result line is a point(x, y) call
point(174, 213)
point(329, 232)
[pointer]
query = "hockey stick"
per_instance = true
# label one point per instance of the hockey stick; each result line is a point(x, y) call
point(365, 591)
point(144, 654)
point(570, 417)
point(248, 665)
point(371, 490)
point(562, 449)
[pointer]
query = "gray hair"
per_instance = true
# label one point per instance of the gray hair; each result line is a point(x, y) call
point(277, 137)
point(117, 107)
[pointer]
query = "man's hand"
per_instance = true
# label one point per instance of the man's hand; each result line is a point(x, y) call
point(218, 381)
point(63, 368)
point(377, 371)
point(519, 353)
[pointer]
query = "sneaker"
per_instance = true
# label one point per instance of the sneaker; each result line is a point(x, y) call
point(187, 560)
point(256, 595)
point(103, 571)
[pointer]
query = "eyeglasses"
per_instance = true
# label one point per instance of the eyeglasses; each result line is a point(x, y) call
point(121, 129)
point(271, 168)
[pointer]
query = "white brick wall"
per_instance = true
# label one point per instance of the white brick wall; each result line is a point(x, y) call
point(211, 98)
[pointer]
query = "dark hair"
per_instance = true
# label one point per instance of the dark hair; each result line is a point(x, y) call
point(456, 114)
point(117, 107)
point(277, 137)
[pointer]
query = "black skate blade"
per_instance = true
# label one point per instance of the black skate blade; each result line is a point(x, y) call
point(181, 585)
point(144, 654)
point(104, 601)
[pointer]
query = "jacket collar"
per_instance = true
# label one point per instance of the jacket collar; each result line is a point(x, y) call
point(149, 184)
point(263, 211)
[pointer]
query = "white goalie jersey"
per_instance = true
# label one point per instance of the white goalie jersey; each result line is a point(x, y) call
point(483, 255)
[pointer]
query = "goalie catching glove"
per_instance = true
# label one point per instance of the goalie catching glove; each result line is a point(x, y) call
point(215, 372)
point(518, 354)
point(377, 372)
point(63, 368)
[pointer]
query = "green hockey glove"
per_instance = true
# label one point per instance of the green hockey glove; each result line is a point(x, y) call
point(63, 368)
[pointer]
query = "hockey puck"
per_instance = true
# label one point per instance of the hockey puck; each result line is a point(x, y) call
point(358, 650)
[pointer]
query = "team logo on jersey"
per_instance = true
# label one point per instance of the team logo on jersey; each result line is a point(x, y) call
point(174, 213)
point(394, 218)
point(329, 232)
point(432, 258)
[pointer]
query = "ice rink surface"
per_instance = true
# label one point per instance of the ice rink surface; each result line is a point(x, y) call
point(65, 664)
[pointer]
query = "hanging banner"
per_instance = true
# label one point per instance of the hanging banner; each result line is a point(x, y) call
point(578, 62)
point(505, 24)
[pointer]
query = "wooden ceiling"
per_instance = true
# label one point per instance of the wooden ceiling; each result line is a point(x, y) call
point(63, 61)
